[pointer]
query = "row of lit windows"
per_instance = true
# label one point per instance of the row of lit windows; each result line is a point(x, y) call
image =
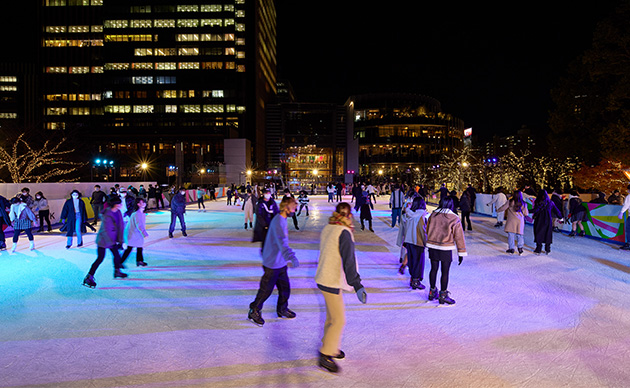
point(73, 42)
point(63, 3)
point(7, 115)
point(187, 51)
point(74, 69)
point(74, 97)
point(129, 38)
point(171, 23)
point(163, 94)
point(185, 8)
point(8, 88)
point(74, 111)
point(174, 66)
point(143, 109)
point(73, 29)
point(8, 78)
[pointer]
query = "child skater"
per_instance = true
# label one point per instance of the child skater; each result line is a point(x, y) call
point(303, 200)
point(22, 218)
point(444, 235)
point(515, 224)
point(337, 270)
point(415, 241)
point(275, 255)
point(248, 208)
point(135, 232)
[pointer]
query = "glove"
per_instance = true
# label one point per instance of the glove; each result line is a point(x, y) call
point(460, 260)
point(295, 262)
point(620, 216)
point(362, 295)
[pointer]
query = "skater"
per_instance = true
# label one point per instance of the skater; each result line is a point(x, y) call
point(338, 192)
point(444, 235)
point(415, 241)
point(337, 270)
point(212, 192)
point(135, 233)
point(76, 216)
point(624, 209)
point(499, 199)
point(200, 194)
point(4, 220)
point(303, 200)
point(543, 212)
point(127, 204)
point(371, 192)
point(396, 204)
point(287, 193)
point(556, 198)
point(266, 209)
point(331, 192)
point(400, 239)
point(41, 206)
point(178, 209)
point(229, 197)
point(248, 208)
point(443, 191)
point(22, 218)
point(97, 201)
point(109, 236)
point(151, 203)
point(465, 205)
point(577, 214)
point(159, 197)
point(515, 224)
point(366, 213)
point(275, 256)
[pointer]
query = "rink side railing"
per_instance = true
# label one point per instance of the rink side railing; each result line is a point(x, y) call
point(602, 219)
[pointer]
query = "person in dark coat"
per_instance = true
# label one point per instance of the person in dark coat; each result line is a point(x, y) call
point(110, 236)
point(556, 198)
point(601, 198)
point(4, 220)
point(178, 208)
point(365, 202)
point(472, 193)
point(75, 217)
point(543, 213)
point(443, 191)
point(266, 209)
point(577, 213)
point(466, 207)
point(453, 196)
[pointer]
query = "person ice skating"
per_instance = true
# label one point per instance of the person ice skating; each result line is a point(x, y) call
point(556, 198)
point(229, 194)
point(5, 205)
point(159, 197)
point(577, 214)
point(444, 235)
point(248, 208)
point(331, 192)
point(443, 191)
point(515, 223)
point(624, 209)
point(200, 194)
point(400, 238)
point(543, 212)
point(287, 193)
point(178, 209)
point(266, 209)
point(365, 212)
point(109, 236)
point(396, 203)
point(303, 200)
point(41, 206)
point(97, 201)
point(275, 256)
point(135, 233)
point(465, 205)
point(337, 271)
point(76, 216)
point(498, 200)
point(22, 218)
point(415, 241)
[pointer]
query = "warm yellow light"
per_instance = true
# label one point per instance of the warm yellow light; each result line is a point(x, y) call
point(144, 166)
point(464, 164)
point(202, 171)
point(249, 172)
point(380, 172)
point(315, 172)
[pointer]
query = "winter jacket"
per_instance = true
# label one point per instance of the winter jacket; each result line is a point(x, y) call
point(626, 204)
point(543, 221)
point(111, 232)
point(21, 216)
point(515, 221)
point(41, 204)
point(135, 230)
point(416, 227)
point(337, 266)
point(499, 199)
point(178, 204)
point(276, 252)
point(464, 203)
point(444, 232)
point(396, 199)
point(265, 212)
point(68, 213)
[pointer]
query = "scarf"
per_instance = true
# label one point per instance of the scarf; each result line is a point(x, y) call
point(340, 219)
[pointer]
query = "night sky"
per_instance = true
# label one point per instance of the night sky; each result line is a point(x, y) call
point(493, 67)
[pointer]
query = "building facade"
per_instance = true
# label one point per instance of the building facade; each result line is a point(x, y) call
point(158, 82)
point(399, 133)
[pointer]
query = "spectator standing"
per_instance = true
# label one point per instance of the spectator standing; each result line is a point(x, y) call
point(75, 217)
point(97, 201)
point(41, 206)
point(396, 203)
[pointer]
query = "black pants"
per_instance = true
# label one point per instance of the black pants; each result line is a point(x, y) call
point(118, 261)
point(539, 248)
point(16, 234)
point(159, 200)
point(200, 203)
point(338, 196)
point(302, 206)
point(415, 257)
point(127, 252)
point(466, 217)
point(270, 279)
point(443, 258)
point(44, 215)
point(295, 221)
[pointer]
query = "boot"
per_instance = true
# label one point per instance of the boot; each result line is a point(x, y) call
point(433, 293)
point(3, 245)
point(582, 234)
point(31, 245)
point(444, 298)
point(371, 230)
point(416, 285)
point(520, 251)
point(89, 281)
point(254, 316)
point(572, 234)
point(119, 274)
point(401, 270)
point(246, 226)
point(250, 226)
point(13, 247)
point(328, 363)
point(510, 251)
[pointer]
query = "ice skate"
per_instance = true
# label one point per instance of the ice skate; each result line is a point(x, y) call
point(328, 363)
point(416, 285)
point(445, 299)
point(254, 316)
point(433, 294)
point(520, 251)
point(582, 234)
point(141, 263)
point(572, 234)
point(625, 247)
point(286, 314)
point(13, 247)
point(31, 245)
point(89, 281)
point(119, 274)
point(510, 251)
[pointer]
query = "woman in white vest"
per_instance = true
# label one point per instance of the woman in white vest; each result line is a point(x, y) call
point(337, 270)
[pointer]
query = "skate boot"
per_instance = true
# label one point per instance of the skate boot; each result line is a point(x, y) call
point(445, 299)
point(401, 270)
point(582, 234)
point(572, 234)
point(141, 263)
point(286, 314)
point(254, 316)
point(246, 226)
point(250, 226)
point(520, 251)
point(184, 234)
point(119, 274)
point(31, 245)
point(625, 247)
point(89, 281)
point(13, 247)
point(416, 285)
point(433, 293)
point(510, 251)
point(328, 363)
point(3, 245)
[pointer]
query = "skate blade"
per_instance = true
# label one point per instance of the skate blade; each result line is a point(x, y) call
point(88, 286)
point(257, 324)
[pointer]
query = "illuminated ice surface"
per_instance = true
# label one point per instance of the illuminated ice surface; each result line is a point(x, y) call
point(533, 321)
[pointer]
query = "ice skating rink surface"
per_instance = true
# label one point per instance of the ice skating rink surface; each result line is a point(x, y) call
point(561, 320)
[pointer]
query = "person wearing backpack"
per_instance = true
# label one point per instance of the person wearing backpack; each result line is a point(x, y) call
point(22, 218)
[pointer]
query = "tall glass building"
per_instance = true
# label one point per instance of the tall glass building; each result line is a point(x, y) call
point(158, 81)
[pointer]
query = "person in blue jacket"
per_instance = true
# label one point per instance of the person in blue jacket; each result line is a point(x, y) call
point(178, 208)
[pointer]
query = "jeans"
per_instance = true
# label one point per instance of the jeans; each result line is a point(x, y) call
point(519, 240)
point(270, 279)
point(395, 215)
point(77, 229)
point(174, 217)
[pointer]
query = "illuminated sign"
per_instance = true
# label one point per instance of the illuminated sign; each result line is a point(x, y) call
point(467, 132)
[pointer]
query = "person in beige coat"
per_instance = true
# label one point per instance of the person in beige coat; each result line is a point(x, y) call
point(135, 232)
point(515, 224)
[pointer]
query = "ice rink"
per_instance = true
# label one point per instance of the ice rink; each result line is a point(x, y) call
point(561, 320)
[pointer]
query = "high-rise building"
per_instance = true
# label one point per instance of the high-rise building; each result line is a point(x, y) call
point(157, 81)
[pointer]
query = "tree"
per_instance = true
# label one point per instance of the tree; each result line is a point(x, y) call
point(461, 168)
point(29, 164)
point(607, 176)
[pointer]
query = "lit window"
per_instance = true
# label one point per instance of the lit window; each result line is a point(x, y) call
point(211, 37)
point(165, 52)
point(230, 108)
point(240, 68)
point(170, 108)
point(240, 55)
point(8, 115)
point(229, 8)
point(211, 8)
point(97, 28)
point(213, 109)
point(118, 108)
point(97, 69)
point(56, 111)
point(143, 23)
point(116, 23)
point(55, 29)
point(116, 66)
point(229, 37)
point(188, 51)
point(80, 111)
point(78, 29)
point(187, 37)
point(240, 27)
point(141, 9)
point(79, 69)
point(143, 109)
point(187, 8)
point(165, 66)
point(8, 78)
point(188, 23)
point(166, 80)
point(97, 2)
point(142, 66)
point(141, 52)
point(212, 65)
point(230, 65)
point(164, 23)
point(240, 13)
point(190, 108)
point(230, 51)
point(217, 94)
point(228, 22)
point(141, 80)
point(55, 126)
point(56, 69)
point(167, 94)
point(189, 66)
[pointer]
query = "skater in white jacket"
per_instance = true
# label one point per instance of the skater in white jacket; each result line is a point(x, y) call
point(498, 200)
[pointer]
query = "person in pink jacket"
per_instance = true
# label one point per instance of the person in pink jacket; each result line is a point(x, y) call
point(135, 232)
point(515, 224)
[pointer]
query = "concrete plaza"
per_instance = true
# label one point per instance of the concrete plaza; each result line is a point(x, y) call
point(561, 320)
